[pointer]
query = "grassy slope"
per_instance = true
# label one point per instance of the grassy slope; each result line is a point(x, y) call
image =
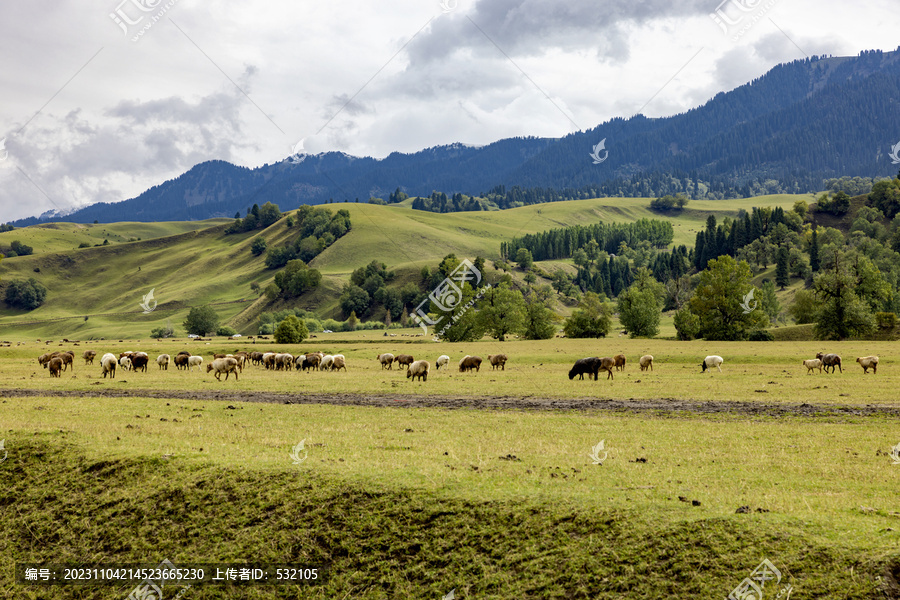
point(197, 267)
point(413, 503)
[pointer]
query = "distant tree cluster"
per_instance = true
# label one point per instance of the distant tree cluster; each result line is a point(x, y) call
point(439, 202)
point(26, 295)
point(669, 203)
point(836, 205)
point(257, 218)
point(17, 248)
point(316, 229)
point(563, 243)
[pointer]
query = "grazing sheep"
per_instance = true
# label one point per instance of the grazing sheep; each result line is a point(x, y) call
point(585, 366)
point(405, 360)
point(43, 359)
point(646, 362)
point(442, 361)
point(109, 364)
point(386, 360)
point(139, 361)
point(325, 363)
point(310, 361)
point(338, 362)
point(268, 360)
point(418, 369)
point(812, 363)
point(181, 360)
point(125, 363)
point(194, 361)
point(256, 358)
point(55, 366)
point(619, 361)
point(497, 360)
point(830, 360)
point(89, 356)
point(283, 361)
point(607, 364)
point(868, 362)
point(467, 363)
point(223, 365)
point(712, 361)
point(163, 361)
point(67, 358)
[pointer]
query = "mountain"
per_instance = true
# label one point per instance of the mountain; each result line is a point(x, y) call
point(787, 131)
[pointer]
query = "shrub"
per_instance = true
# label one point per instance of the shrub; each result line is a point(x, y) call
point(761, 335)
point(225, 331)
point(886, 320)
point(27, 295)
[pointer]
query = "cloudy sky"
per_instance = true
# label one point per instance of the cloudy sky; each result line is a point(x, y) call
point(102, 100)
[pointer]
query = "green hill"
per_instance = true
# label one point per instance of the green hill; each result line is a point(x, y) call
point(194, 263)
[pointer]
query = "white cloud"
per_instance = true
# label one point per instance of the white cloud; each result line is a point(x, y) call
point(244, 82)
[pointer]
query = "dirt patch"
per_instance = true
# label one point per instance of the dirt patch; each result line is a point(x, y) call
point(661, 405)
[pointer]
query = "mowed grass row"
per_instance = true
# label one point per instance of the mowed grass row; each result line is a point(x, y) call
point(413, 503)
point(767, 372)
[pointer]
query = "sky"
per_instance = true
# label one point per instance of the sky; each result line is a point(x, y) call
point(102, 100)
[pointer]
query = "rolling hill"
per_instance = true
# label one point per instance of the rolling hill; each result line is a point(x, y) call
point(194, 266)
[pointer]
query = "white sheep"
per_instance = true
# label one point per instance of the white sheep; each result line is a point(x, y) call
point(386, 360)
point(125, 363)
point(418, 369)
point(712, 361)
point(194, 361)
point(325, 364)
point(223, 365)
point(811, 364)
point(442, 361)
point(109, 363)
point(868, 362)
point(646, 362)
point(163, 361)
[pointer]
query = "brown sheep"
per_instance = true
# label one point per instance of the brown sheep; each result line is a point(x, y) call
point(467, 363)
point(405, 360)
point(497, 360)
point(339, 362)
point(607, 364)
point(139, 361)
point(620, 361)
point(256, 358)
point(55, 364)
point(89, 356)
point(181, 361)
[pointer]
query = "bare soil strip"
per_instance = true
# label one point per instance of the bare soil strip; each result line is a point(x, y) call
point(531, 403)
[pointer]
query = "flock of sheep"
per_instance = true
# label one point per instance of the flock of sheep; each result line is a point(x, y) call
point(226, 364)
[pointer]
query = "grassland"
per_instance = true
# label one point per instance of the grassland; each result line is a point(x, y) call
point(187, 266)
point(411, 501)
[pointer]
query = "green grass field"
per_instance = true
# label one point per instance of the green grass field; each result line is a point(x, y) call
point(411, 501)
